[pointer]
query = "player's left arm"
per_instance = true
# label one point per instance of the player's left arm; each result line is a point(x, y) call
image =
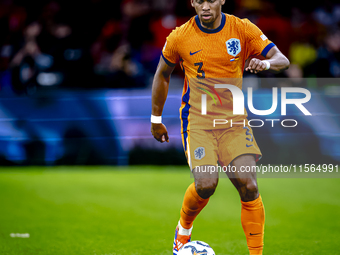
point(276, 62)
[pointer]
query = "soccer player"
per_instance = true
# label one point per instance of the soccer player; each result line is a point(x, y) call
point(212, 47)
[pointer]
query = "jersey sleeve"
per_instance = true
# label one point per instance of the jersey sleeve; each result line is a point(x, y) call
point(170, 52)
point(257, 42)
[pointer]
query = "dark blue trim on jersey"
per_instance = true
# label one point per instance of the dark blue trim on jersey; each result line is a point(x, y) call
point(210, 31)
point(185, 136)
point(185, 110)
point(168, 62)
point(266, 49)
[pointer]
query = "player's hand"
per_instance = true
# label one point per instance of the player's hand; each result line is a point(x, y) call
point(256, 65)
point(159, 132)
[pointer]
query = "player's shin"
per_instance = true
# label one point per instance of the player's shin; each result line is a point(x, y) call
point(252, 219)
point(191, 207)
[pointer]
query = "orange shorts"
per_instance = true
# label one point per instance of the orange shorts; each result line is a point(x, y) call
point(219, 146)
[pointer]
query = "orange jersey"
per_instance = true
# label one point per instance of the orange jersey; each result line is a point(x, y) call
point(210, 57)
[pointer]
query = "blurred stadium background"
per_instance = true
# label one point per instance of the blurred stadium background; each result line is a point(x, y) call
point(75, 80)
point(75, 89)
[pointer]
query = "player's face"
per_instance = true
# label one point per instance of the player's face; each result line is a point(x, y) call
point(208, 11)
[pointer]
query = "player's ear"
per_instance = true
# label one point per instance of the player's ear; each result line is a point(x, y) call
point(192, 3)
point(222, 2)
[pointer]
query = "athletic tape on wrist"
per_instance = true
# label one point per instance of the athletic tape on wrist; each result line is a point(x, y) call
point(156, 119)
point(267, 64)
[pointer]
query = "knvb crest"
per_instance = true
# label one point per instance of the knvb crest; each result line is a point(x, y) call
point(233, 46)
point(199, 153)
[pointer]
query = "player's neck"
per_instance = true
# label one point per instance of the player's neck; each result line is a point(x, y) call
point(214, 24)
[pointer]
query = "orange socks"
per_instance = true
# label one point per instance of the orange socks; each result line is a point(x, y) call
point(191, 207)
point(252, 219)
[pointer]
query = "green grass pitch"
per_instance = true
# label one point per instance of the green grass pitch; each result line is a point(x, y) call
point(134, 210)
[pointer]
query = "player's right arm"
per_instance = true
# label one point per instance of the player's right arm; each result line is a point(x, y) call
point(160, 88)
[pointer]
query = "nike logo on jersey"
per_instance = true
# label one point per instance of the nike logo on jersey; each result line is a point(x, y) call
point(249, 145)
point(193, 53)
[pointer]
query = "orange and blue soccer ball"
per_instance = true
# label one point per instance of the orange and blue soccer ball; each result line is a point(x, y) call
point(196, 248)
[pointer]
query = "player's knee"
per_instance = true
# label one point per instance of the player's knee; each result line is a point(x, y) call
point(206, 188)
point(249, 190)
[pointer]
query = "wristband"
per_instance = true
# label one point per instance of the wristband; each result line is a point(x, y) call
point(156, 119)
point(267, 64)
